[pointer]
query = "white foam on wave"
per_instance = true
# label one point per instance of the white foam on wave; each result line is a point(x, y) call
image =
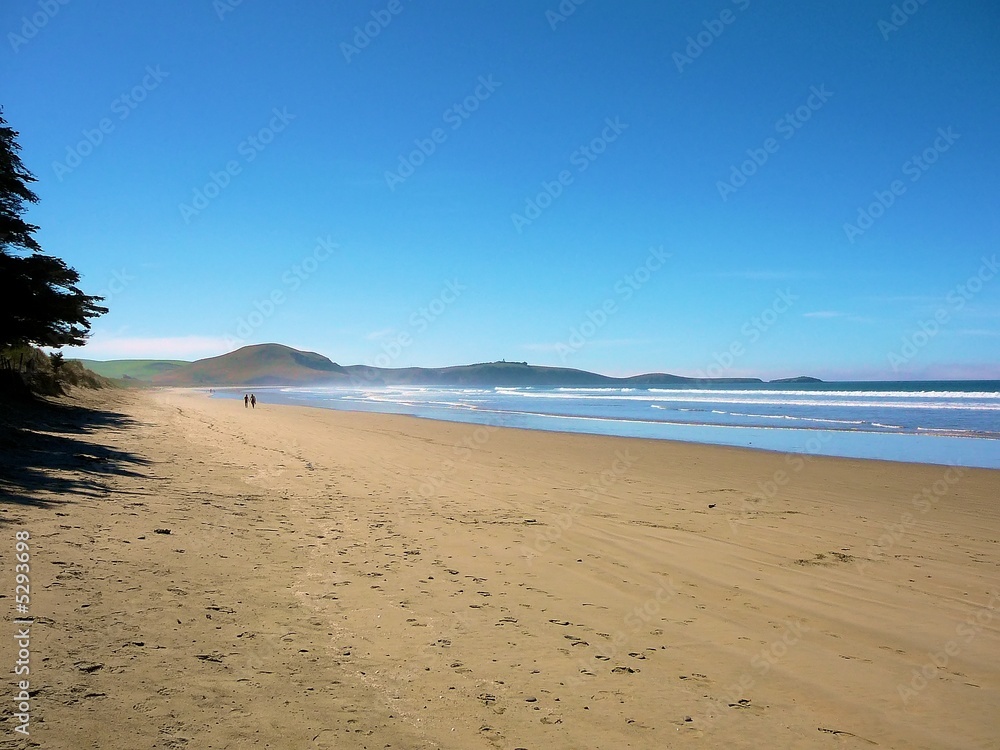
point(713, 425)
point(787, 417)
point(926, 395)
point(596, 390)
point(765, 398)
point(800, 419)
point(991, 395)
point(455, 404)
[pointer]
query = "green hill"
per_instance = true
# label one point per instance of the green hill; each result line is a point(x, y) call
point(137, 369)
point(481, 374)
point(261, 364)
point(275, 364)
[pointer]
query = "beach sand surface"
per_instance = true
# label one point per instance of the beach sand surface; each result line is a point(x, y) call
point(347, 580)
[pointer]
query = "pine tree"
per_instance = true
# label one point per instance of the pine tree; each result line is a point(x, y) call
point(40, 303)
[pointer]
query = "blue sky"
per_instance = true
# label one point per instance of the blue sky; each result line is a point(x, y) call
point(717, 188)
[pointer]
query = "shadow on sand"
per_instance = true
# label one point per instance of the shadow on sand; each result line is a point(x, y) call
point(45, 450)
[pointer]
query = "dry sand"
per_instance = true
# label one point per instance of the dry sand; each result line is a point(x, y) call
point(336, 580)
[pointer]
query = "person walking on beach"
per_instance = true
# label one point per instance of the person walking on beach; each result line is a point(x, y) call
point(246, 400)
point(253, 401)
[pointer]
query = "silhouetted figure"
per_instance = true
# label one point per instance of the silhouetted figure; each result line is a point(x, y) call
point(253, 401)
point(246, 401)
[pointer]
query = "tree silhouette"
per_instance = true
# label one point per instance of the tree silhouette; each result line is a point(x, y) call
point(40, 303)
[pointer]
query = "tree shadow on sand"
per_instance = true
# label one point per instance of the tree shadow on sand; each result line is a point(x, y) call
point(46, 458)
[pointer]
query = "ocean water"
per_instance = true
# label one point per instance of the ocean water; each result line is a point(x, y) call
point(949, 422)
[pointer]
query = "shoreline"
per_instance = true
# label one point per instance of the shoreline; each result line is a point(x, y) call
point(810, 435)
point(352, 579)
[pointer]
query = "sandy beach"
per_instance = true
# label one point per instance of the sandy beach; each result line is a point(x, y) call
point(341, 580)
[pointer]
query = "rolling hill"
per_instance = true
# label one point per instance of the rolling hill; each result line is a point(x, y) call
point(275, 364)
point(135, 369)
point(262, 364)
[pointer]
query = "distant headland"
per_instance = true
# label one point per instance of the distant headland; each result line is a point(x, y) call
point(276, 364)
